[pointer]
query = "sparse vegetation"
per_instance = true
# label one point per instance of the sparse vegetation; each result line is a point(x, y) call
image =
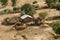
point(56, 27)
point(16, 8)
point(5, 11)
point(49, 3)
point(58, 8)
point(4, 2)
point(13, 2)
point(34, 2)
point(36, 5)
point(43, 15)
point(27, 23)
point(28, 9)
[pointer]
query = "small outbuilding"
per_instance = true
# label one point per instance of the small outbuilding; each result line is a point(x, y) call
point(26, 18)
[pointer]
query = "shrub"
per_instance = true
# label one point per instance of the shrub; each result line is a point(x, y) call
point(28, 9)
point(50, 3)
point(16, 8)
point(59, 0)
point(13, 2)
point(58, 7)
point(34, 2)
point(5, 11)
point(56, 27)
point(54, 1)
point(4, 2)
point(43, 15)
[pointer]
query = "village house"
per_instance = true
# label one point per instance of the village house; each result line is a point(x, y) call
point(26, 18)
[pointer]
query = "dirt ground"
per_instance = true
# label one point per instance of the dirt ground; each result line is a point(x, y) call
point(30, 33)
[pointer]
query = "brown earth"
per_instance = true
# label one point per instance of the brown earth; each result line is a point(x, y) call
point(30, 33)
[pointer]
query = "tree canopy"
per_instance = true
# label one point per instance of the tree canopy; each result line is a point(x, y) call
point(4, 2)
point(28, 9)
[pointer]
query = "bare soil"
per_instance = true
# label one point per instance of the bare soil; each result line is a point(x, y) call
point(30, 33)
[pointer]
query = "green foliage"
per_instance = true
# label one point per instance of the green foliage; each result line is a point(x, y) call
point(16, 8)
point(56, 27)
point(58, 7)
point(54, 1)
point(13, 2)
point(59, 0)
point(50, 3)
point(4, 2)
point(28, 9)
point(43, 15)
point(5, 11)
point(34, 2)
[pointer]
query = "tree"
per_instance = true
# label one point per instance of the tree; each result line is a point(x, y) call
point(28, 9)
point(56, 27)
point(4, 2)
point(13, 2)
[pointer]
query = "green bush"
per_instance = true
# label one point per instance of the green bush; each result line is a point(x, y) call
point(43, 15)
point(4, 2)
point(28, 9)
point(34, 2)
point(5, 11)
point(13, 2)
point(54, 1)
point(56, 27)
point(59, 0)
point(58, 7)
point(50, 3)
point(16, 8)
